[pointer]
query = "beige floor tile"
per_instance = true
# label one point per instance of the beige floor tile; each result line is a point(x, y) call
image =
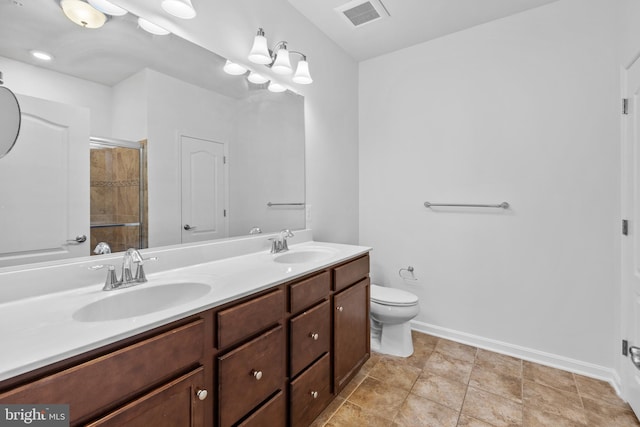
point(600, 413)
point(395, 373)
point(535, 417)
point(350, 415)
point(417, 411)
point(419, 356)
point(374, 358)
point(491, 408)
point(424, 340)
point(495, 382)
point(463, 352)
point(597, 389)
point(440, 390)
point(448, 367)
point(551, 377)
point(551, 400)
point(378, 398)
point(328, 412)
point(352, 385)
point(466, 421)
point(502, 363)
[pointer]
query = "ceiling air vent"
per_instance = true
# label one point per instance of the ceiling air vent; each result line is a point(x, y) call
point(361, 12)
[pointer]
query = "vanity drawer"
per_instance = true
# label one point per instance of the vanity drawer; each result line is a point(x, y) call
point(271, 414)
point(310, 393)
point(115, 377)
point(350, 273)
point(309, 291)
point(310, 336)
point(243, 320)
point(250, 374)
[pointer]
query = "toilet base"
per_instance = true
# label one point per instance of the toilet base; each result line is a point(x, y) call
point(394, 340)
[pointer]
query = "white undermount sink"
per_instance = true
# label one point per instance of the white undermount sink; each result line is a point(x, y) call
point(300, 256)
point(140, 301)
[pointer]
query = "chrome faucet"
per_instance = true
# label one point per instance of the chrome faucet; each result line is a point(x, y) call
point(128, 279)
point(279, 244)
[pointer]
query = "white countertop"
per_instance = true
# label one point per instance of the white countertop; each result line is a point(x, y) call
point(41, 330)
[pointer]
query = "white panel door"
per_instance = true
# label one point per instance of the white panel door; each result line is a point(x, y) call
point(203, 190)
point(44, 185)
point(631, 242)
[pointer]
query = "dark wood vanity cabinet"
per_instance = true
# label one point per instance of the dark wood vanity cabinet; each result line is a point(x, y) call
point(275, 358)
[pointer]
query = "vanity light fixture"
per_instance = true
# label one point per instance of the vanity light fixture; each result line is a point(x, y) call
point(83, 13)
point(179, 8)
point(234, 69)
point(276, 87)
point(152, 28)
point(257, 78)
point(279, 58)
point(42, 56)
point(105, 6)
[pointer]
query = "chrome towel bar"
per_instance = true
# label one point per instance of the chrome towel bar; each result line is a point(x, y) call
point(503, 205)
point(285, 204)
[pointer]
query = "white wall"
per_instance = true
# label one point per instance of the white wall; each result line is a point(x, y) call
point(331, 102)
point(524, 110)
point(129, 108)
point(41, 83)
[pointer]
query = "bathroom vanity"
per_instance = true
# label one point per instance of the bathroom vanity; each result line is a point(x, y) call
point(276, 356)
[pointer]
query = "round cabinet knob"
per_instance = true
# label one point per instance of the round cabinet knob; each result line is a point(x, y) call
point(314, 336)
point(314, 394)
point(340, 308)
point(202, 394)
point(257, 374)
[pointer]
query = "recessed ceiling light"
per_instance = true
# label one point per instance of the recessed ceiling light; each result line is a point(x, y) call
point(43, 56)
point(152, 28)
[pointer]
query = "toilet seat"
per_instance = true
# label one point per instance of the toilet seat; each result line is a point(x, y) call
point(392, 297)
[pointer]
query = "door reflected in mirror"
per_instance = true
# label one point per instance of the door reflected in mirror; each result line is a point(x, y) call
point(129, 85)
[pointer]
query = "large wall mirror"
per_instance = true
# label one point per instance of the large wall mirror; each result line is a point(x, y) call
point(124, 129)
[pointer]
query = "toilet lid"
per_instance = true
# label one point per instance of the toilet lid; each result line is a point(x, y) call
point(392, 296)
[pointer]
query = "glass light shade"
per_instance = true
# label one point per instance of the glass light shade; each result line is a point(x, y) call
point(260, 52)
point(276, 87)
point(83, 13)
point(152, 28)
point(234, 69)
point(257, 78)
point(302, 75)
point(179, 8)
point(105, 6)
point(282, 64)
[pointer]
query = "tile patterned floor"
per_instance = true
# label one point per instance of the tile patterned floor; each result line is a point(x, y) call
point(447, 384)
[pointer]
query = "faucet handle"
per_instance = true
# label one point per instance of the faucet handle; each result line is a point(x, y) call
point(140, 276)
point(111, 282)
point(286, 233)
point(274, 244)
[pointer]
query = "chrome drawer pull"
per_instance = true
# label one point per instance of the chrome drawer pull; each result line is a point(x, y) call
point(256, 374)
point(202, 394)
point(340, 308)
point(314, 394)
point(315, 336)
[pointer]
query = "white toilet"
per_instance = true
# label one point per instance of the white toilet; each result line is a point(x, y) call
point(391, 311)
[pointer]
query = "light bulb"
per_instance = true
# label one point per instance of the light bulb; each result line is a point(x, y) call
point(152, 28)
point(302, 75)
point(282, 64)
point(105, 6)
point(276, 87)
point(179, 8)
point(257, 78)
point(259, 51)
point(234, 69)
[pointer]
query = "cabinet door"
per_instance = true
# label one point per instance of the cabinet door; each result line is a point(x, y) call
point(180, 403)
point(351, 332)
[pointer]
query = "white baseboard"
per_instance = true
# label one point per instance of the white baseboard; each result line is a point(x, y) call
point(553, 360)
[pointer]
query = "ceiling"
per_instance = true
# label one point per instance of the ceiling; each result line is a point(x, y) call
point(410, 21)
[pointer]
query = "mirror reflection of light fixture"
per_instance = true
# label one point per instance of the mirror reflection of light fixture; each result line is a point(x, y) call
point(276, 87)
point(179, 8)
point(42, 56)
point(279, 58)
point(152, 28)
point(257, 78)
point(83, 13)
point(234, 69)
point(105, 6)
